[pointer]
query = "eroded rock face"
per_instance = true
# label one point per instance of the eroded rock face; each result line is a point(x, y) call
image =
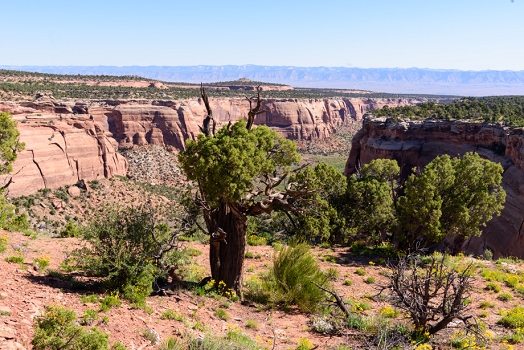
point(69, 141)
point(62, 152)
point(416, 143)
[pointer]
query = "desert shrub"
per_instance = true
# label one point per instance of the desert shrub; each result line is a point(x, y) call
point(513, 318)
point(370, 280)
point(256, 240)
point(515, 337)
point(222, 314)
point(70, 230)
point(172, 315)
point(92, 298)
point(129, 250)
point(57, 329)
point(251, 324)
point(493, 287)
point(42, 262)
point(505, 297)
point(109, 302)
point(293, 277)
point(360, 272)
point(254, 290)
point(15, 259)
point(429, 291)
point(3, 242)
point(389, 312)
point(118, 346)
point(486, 304)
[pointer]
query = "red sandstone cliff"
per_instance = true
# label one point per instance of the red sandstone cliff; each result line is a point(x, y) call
point(81, 142)
point(62, 152)
point(416, 143)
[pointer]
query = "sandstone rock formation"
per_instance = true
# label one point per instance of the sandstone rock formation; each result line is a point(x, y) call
point(62, 152)
point(416, 143)
point(67, 141)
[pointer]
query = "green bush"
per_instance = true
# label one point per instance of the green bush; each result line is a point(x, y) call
point(109, 302)
point(293, 276)
point(128, 250)
point(513, 318)
point(3, 242)
point(71, 230)
point(172, 315)
point(57, 330)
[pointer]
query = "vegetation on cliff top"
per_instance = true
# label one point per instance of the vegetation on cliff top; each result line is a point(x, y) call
point(508, 109)
point(15, 85)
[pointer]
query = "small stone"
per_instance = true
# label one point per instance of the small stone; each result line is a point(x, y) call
point(7, 333)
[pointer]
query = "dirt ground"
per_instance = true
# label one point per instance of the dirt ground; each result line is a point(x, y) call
point(25, 291)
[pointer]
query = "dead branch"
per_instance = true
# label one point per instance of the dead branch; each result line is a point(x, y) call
point(338, 299)
point(206, 128)
point(253, 112)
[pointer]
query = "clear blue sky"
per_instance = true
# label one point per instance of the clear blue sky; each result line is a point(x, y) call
point(442, 34)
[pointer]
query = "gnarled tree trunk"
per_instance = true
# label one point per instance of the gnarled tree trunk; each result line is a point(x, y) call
point(227, 226)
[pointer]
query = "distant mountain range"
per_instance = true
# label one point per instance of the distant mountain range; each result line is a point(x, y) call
point(393, 80)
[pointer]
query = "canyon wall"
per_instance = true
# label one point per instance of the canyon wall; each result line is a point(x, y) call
point(416, 143)
point(71, 140)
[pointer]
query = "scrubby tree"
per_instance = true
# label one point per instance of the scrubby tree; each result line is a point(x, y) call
point(240, 171)
point(9, 143)
point(320, 217)
point(371, 193)
point(449, 202)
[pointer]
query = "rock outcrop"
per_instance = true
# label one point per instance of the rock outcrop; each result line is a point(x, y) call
point(67, 141)
point(62, 152)
point(416, 143)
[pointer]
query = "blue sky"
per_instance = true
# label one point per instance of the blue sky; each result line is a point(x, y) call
point(443, 34)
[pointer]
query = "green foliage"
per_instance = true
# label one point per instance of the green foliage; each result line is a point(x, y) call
point(15, 259)
point(111, 301)
point(9, 144)
point(118, 346)
point(509, 109)
point(505, 297)
point(92, 298)
point(123, 248)
point(252, 324)
point(89, 317)
point(172, 315)
point(293, 276)
point(513, 318)
point(222, 314)
point(71, 230)
point(321, 217)
point(360, 272)
point(493, 287)
point(225, 165)
point(3, 242)
point(450, 200)
point(42, 262)
point(370, 280)
point(57, 329)
point(370, 194)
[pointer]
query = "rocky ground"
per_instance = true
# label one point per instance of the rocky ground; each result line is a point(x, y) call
point(26, 290)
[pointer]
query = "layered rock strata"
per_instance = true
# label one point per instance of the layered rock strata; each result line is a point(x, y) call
point(416, 143)
point(67, 141)
point(62, 152)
